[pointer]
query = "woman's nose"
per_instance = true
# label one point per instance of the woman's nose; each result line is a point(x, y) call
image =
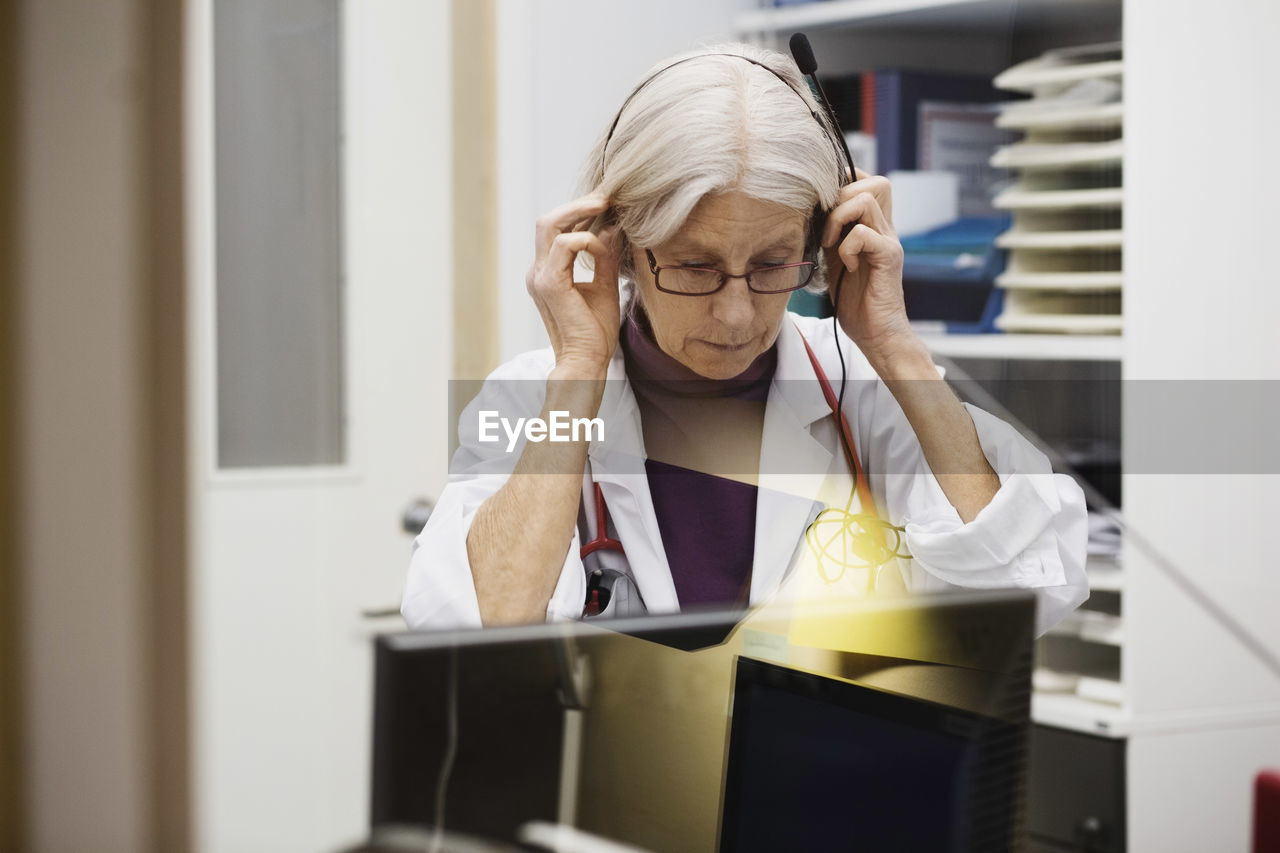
point(734, 304)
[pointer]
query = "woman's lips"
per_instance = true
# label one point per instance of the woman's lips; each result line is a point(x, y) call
point(727, 347)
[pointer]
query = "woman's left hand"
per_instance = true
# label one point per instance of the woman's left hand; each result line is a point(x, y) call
point(871, 309)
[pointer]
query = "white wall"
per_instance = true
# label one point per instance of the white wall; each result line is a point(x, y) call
point(1202, 301)
point(1193, 790)
point(1201, 189)
point(564, 68)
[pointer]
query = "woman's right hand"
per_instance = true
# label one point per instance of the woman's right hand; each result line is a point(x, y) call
point(582, 318)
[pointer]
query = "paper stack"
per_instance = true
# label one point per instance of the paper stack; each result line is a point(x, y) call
point(1064, 272)
point(1082, 655)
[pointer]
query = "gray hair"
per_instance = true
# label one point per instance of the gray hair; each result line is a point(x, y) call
point(712, 125)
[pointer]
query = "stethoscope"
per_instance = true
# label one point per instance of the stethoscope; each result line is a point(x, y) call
point(834, 528)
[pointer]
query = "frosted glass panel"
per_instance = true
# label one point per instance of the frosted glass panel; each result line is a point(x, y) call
point(279, 252)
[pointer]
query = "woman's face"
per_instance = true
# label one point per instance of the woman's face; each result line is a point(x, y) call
point(718, 336)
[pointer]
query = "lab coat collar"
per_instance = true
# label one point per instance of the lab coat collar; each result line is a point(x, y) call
point(617, 465)
point(795, 381)
point(793, 465)
point(623, 440)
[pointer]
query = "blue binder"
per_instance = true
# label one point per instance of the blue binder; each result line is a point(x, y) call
point(899, 92)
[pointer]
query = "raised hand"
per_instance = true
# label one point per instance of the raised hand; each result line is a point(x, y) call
point(582, 318)
point(871, 309)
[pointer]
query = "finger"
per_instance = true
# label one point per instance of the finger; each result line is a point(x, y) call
point(863, 207)
point(551, 279)
point(555, 275)
point(877, 185)
point(564, 218)
point(865, 242)
point(561, 300)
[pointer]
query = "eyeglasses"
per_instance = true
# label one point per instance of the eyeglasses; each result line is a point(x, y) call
point(703, 281)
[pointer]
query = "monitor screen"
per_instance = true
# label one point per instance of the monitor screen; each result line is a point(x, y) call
point(469, 725)
point(467, 734)
point(817, 763)
point(618, 727)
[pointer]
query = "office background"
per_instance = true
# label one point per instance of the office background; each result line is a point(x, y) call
point(184, 639)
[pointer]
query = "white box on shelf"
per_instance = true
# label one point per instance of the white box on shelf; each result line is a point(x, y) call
point(923, 200)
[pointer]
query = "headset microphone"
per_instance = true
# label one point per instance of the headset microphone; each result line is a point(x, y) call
point(802, 53)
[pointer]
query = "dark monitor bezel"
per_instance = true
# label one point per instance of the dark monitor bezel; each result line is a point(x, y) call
point(971, 633)
point(922, 714)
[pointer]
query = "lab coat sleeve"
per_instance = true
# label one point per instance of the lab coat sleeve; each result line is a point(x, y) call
point(1032, 535)
point(439, 590)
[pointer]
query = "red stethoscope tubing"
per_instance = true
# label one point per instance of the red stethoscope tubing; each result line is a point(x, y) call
point(846, 438)
point(602, 540)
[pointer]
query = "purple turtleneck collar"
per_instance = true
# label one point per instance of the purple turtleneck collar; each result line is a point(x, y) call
point(656, 369)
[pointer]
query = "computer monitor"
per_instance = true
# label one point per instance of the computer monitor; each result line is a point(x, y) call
point(622, 728)
point(468, 729)
point(818, 763)
point(469, 725)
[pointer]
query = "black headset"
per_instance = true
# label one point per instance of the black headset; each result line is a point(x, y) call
point(808, 66)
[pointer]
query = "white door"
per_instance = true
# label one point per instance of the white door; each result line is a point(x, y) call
point(321, 352)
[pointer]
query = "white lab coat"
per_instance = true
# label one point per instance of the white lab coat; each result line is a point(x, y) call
point(1032, 534)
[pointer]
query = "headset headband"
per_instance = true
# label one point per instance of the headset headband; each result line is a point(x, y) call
point(816, 117)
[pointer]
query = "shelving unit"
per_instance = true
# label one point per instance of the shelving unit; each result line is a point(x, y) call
point(1043, 347)
point(1191, 695)
point(1065, 245)
point(1066, 711)
point(975, 15)
point(984, 37)
point(851, 25)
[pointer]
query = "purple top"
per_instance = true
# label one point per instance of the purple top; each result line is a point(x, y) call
point(702, 440)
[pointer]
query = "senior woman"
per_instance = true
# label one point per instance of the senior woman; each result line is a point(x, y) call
point(716, 192)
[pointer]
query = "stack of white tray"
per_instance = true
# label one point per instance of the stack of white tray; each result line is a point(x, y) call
point(1082, 655)
point(1065, 271)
